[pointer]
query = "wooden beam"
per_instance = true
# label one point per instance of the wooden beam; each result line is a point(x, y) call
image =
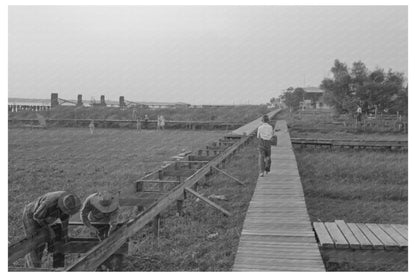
point(157, 181)
point(201, 158)
point(83, 245)
point(21, 248)
point(183, 172)
point(230, 176)
point(209, 202)
point(32, 269)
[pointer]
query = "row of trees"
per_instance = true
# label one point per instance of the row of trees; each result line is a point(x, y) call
point(357, 86)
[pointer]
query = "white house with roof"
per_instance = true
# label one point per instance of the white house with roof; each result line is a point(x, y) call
point(313, 98)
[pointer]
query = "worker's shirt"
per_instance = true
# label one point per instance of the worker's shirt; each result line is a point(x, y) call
point(45, 209)
point(89, 213)
point(265, 131)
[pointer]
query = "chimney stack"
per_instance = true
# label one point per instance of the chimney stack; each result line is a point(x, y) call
point(79, 103)
point(54, 100)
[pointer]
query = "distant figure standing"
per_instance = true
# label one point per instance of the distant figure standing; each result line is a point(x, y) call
point(359, 113)
point(158, 123)
point(92, 127)
point(264, 134)
point(162, 122)
point(146, 121)
point(139, 125)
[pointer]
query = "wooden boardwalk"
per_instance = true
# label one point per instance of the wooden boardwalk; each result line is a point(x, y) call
point(343, 235)
point(277, 234)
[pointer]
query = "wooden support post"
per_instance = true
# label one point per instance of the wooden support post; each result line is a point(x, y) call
point(228, 175)
point(58, 256)
point(156, 225)
point(179, 207)
point(209, 202)
point(139, 186)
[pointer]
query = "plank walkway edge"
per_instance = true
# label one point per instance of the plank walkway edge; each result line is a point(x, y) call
point(277, 234)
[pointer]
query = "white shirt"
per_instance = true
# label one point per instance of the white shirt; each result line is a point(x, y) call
point(265, 131)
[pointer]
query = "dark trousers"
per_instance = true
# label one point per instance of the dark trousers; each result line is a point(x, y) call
point(264, 155)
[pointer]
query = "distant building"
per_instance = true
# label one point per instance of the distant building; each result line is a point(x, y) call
point(313, 98)
point(160, 105)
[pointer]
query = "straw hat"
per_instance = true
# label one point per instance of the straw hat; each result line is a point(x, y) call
point(69, 203)
point(105, 202)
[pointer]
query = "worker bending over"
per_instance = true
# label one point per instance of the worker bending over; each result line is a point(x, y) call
point(53, 208)
point(101, 207)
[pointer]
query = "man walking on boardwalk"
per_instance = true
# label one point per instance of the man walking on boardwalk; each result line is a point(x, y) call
point(44, 213)
point(264, 134)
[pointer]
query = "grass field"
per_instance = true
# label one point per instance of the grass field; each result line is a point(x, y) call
point(204, 239)
point(72, 159)
point(355, 186)
point(364, 186)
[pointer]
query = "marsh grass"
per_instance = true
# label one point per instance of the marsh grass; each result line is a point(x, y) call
point(184, 242)
point(355, 186)
point(40, 161)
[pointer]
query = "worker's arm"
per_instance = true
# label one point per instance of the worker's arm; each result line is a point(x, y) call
point(85, 211)
point(39, 215)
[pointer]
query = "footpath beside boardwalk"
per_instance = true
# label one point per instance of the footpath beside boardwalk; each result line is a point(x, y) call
point(277, 233)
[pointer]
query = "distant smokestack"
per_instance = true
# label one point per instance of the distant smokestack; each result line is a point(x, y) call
point(102, 102)
point(54, 100)
point(121, 102)
point(79, 103)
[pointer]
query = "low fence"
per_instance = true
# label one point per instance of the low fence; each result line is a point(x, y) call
point(130, 124)
point(357, 144)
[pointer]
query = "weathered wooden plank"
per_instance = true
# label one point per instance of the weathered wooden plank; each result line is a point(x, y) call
point(335, 233)
point(33, 269)
point(345, 230)
point(21, 248)
point(209, 202)
point(324, 238)
point(200, 158)
point(377, 244)
point(402, 229)
point(396, 236)
point(388, 242)
point(364, 242)
point(135, 201)
point(84, 245)
point(183, 172)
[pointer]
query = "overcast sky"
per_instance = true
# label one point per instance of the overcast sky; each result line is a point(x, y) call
point(195, 54)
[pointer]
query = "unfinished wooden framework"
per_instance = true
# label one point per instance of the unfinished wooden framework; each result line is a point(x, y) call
point(357, 144)
point(155, 192)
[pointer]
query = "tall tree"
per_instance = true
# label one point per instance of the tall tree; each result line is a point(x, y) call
point(376, 89)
